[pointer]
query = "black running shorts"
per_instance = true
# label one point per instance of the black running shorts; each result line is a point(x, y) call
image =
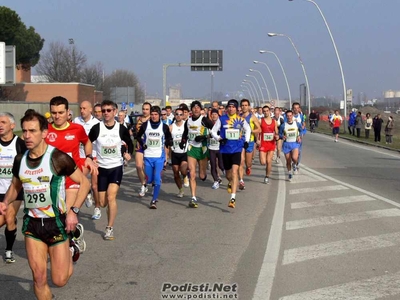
point(107, 176)
point(230, 159)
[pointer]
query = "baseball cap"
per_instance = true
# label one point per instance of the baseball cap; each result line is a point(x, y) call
point(233, 102)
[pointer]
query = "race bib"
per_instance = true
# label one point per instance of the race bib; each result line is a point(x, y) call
point(192, 135)
point(268, 137)
point(153, 143)
point(232, 134)
point(214, 142)
point(6, 171)
point(176, 143)
point(109, 151)
point(37, 196)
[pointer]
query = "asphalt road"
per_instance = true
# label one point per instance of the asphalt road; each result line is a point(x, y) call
point(332, 233)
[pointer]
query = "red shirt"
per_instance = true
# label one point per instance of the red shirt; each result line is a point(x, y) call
point(68, 140)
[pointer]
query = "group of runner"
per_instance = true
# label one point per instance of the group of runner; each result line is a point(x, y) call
point(51, 163)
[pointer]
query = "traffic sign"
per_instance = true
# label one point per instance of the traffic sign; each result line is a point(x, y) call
point(206, 60)
point(123, 106)
point(131, 104)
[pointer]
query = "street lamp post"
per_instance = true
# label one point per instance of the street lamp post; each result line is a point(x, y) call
point(272, 77)
point(266, 86)
point(284, 73)
point(254, 89)
point(249, 84)
point(338, 59)
point(248, 91)
point(301, 63)
point(259, 86)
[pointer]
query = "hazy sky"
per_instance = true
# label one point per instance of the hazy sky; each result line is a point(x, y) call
point(141, 36)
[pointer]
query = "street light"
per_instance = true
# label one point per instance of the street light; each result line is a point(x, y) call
point(259, 86)
point(248, 91)
point(301, 63)
point(266, 86)
point(273, 79)
point(283, 71)
point(338, 59)
point(252, 88)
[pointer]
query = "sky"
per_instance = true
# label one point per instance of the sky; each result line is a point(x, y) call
point(141, 36)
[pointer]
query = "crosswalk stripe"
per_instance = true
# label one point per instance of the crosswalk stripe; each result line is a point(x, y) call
point(337, 200)
point(318, 189)
point(366, 289)
point(351, 217)
point(300, 254)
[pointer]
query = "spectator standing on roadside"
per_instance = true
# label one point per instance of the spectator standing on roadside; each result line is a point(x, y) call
point(316, 123)
point(377, 124)
point(368, 125)
point(352, 122)
point(389, 130)
point(359, 123)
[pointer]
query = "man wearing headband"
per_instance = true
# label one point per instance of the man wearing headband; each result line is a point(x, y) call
point(195, 134)
point(233, 133)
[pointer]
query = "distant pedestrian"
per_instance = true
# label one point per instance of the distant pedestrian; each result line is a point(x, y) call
point(352, 122)
point(368, 125)
point(389, 130)
point(377, 124)
point(359, 123)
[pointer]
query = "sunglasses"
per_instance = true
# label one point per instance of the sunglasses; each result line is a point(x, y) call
point(107, 110)
point(179, 115)
point(163, 114)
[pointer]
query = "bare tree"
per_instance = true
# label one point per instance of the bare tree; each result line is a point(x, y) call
point(123, 78)
point(94, 75)
point(62, 63)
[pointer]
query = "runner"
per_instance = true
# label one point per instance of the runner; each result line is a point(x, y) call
point(290, 132)
point(247, 154)
point(178, 155)
point(215, 154)
point(267, 141)
point(97, 112)
point(195, 134)
point(109, 135)
point(48, 217)
point(279, 121)
point(228, 130)
point(299, 117)
point(88, 121)
point(139, 151)
point(336, 120)
point(11, 146)
point(185, 110)
point(153, 137)
point(67, 137)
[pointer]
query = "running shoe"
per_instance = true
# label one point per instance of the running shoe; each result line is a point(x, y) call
point(266, 180)
point(241, 185)
point(290, 177)
point(248, 171)
point(9, 257)
point(180, 194)
point(96, 214)
point(143, 190)
point(109, 234)
point(229, 188)
point(193, 203)
point(232, 203)
point(185, 181)
point(75, 251)
point(219, 180)
point(335, 141)
point(153, 204)
point(215, 185)
point(78, 233)
point(89, 200)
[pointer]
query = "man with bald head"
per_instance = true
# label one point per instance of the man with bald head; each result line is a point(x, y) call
point(87, 120)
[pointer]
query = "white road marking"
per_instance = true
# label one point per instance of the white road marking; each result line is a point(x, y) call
point(366, 289)
point(365, 147)
point(270, 261)
point(300, 254)
point(337, 200)
point(345, 218)
point(317, 189)
point(353, 187)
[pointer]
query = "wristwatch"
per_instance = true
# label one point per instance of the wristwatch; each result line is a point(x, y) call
point(89, 156)
point(75, 209)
